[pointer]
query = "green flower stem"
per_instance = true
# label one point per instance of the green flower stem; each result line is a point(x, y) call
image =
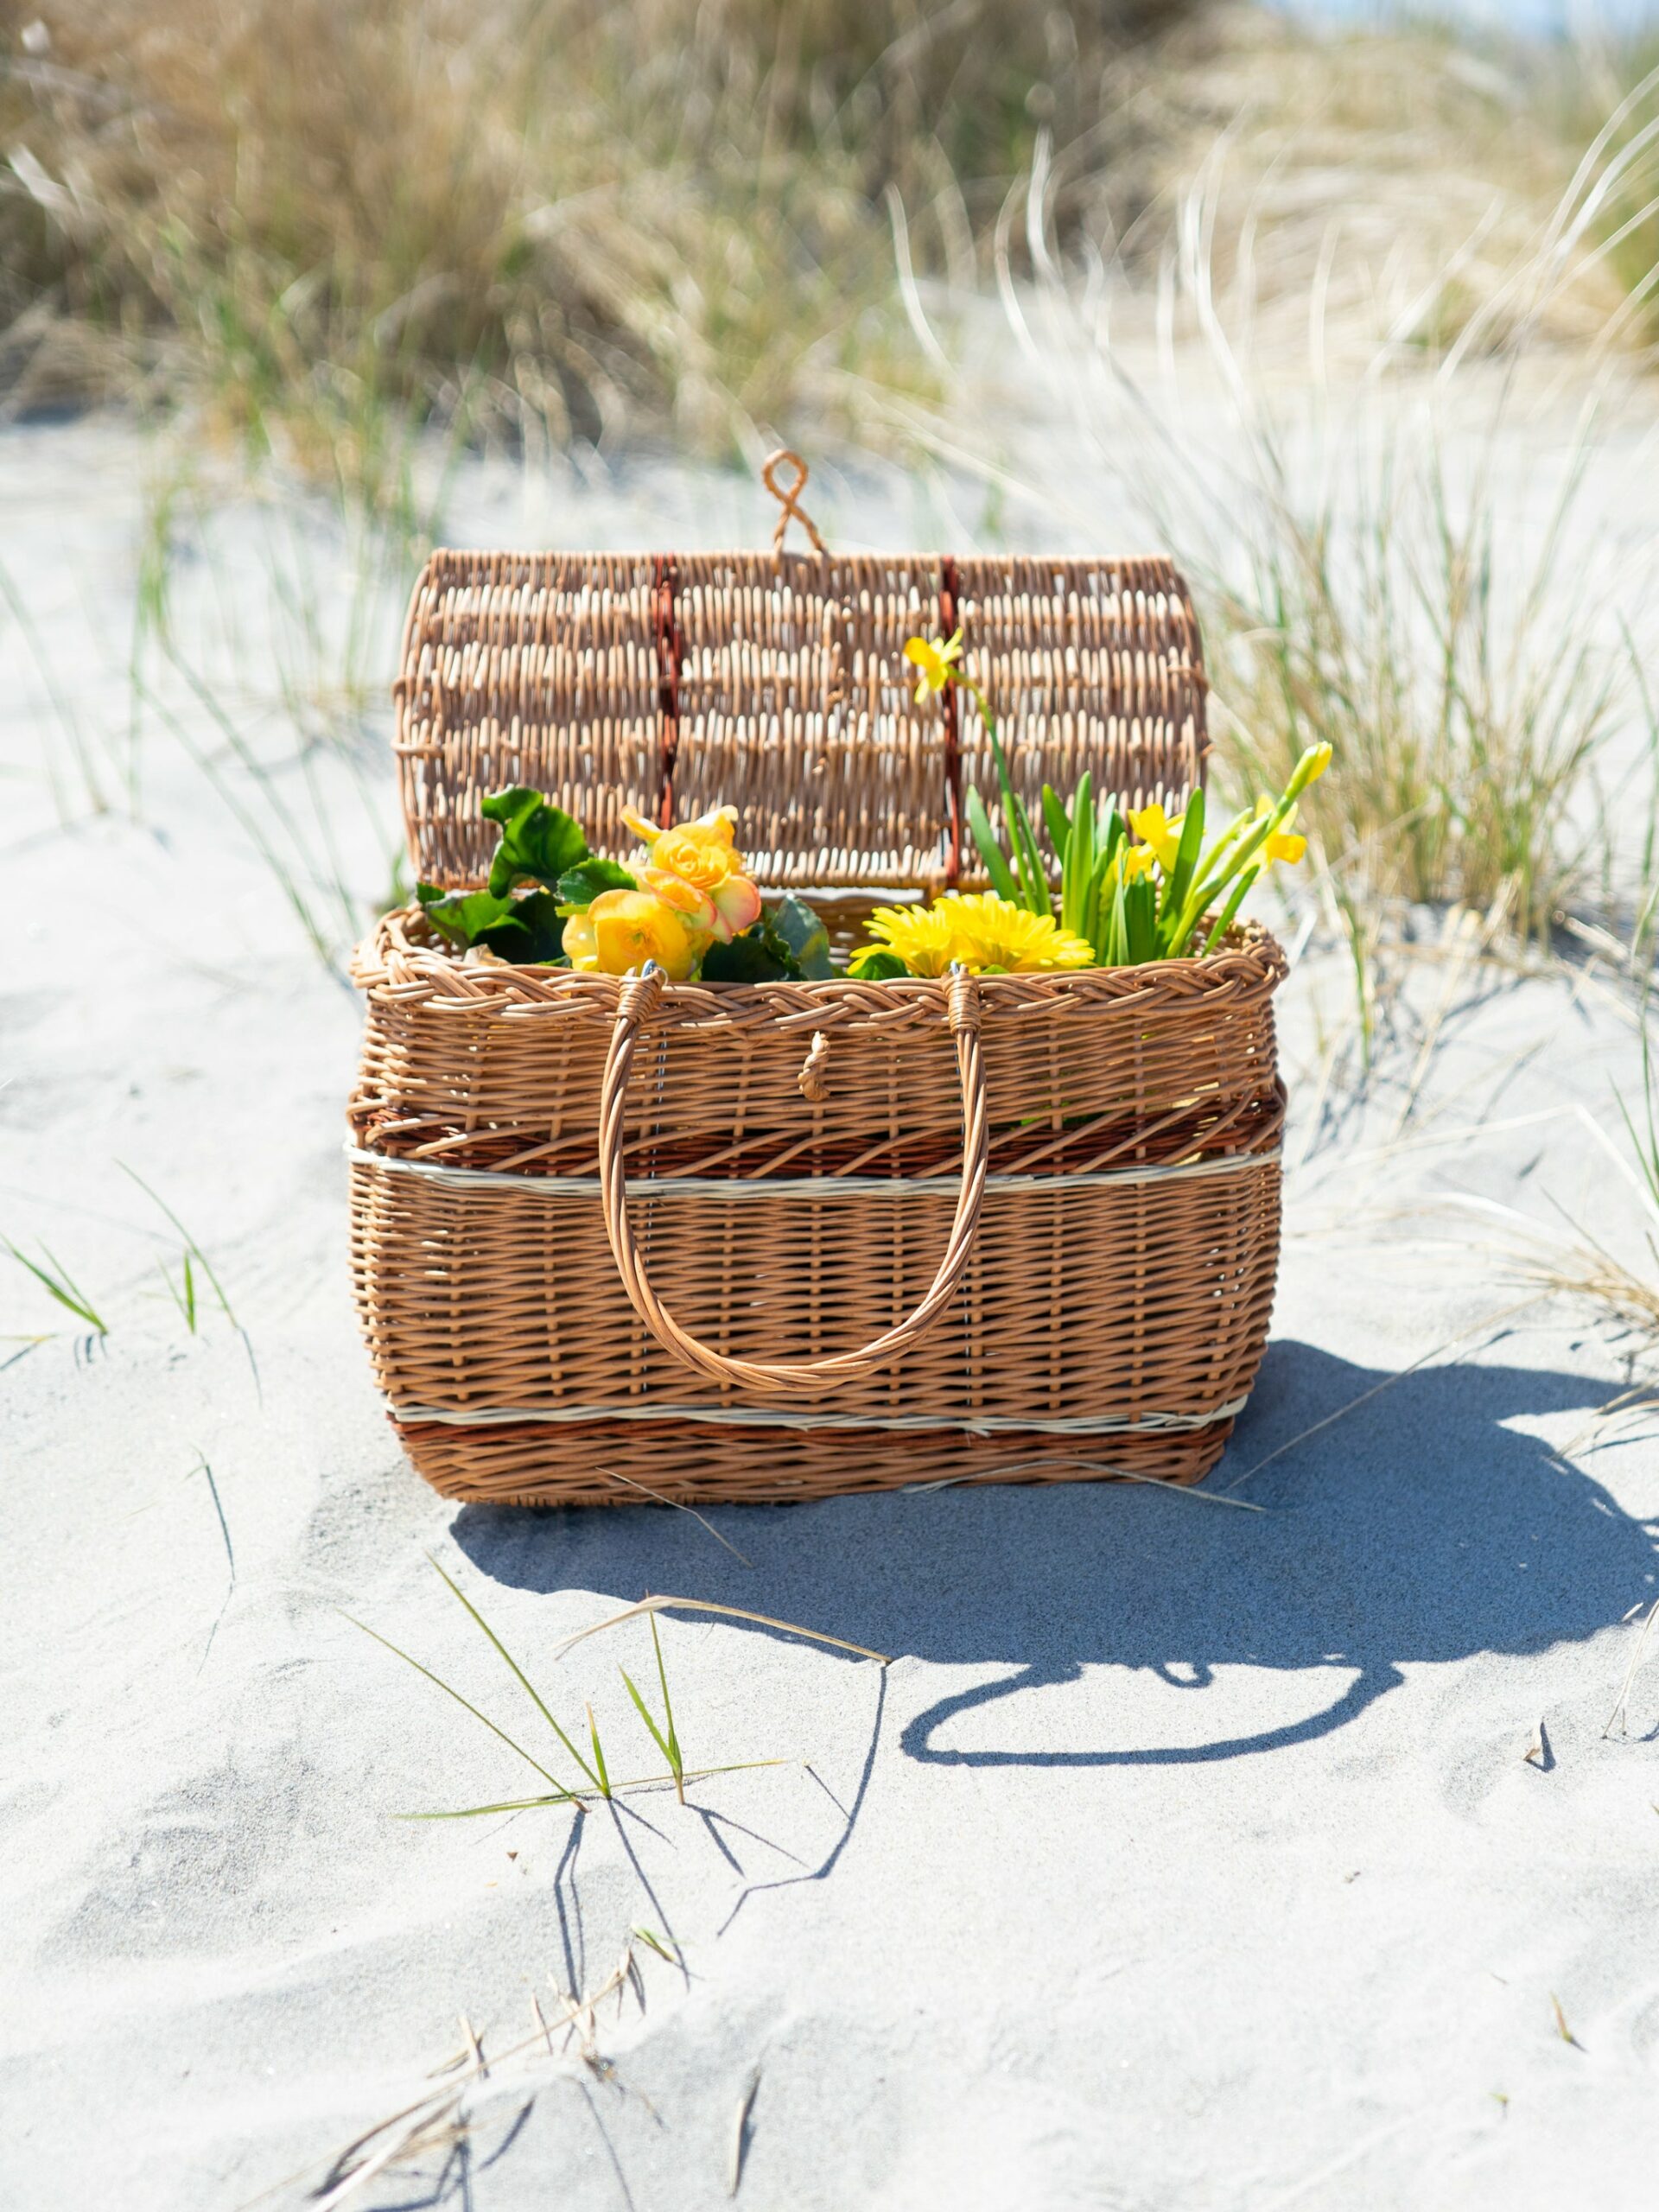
point(1027, 860)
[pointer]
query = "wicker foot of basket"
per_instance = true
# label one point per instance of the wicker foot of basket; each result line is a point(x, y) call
point(615, 1463)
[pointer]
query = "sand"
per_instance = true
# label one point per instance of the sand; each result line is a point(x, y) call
point(1185, 1858)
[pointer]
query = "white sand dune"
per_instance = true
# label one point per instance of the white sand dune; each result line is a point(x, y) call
point(1186, 1858)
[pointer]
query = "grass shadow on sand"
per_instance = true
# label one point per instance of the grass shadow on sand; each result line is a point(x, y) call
point(1423, 1529)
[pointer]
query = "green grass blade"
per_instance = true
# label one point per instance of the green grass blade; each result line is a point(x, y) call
point(534, 1694)
point(511, 1746)
point(657, 1737)
point(674, 1758)
point(599, 1755)
point(479, 1812)
point(61, 1286)
point(192, 1248)
point(189, 1305)
point(464, 1703)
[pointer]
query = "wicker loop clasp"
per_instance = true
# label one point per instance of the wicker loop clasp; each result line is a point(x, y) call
point(816, 1376)
point(813, 1079)
point(789, 499)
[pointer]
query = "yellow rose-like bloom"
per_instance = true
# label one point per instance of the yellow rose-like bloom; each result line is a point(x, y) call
point(979, 930)
point(622, 930)
point(935, 658)
point(703, 854)
point(1153, 827)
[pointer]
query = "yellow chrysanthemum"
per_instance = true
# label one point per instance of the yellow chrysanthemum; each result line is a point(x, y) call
point(1156, 829)
point(919, 936)
point(978, 931)
point(936, 657)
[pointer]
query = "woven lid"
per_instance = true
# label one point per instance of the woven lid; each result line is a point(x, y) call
point(776, 682)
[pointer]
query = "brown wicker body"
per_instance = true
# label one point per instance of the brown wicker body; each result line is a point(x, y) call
point(1111, 1312)
point(778, 1241)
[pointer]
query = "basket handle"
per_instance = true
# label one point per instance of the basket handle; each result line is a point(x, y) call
point(639, 1000)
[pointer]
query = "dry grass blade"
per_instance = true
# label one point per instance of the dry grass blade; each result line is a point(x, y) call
point(634, 1786)
point(741, 2130)
point(730, 1612)
point(1488, 1321)
point(1616, 1718)
point(438, 2116)
point(679, 1506)
point(1561, 2028)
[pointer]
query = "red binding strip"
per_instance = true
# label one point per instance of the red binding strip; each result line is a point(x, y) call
point(949, 593)
point(671, 651)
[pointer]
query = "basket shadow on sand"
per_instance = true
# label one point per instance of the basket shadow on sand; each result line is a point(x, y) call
point(1395, 1537)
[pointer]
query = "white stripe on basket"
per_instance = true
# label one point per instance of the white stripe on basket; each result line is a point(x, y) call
point(1153, 1424)
point(813, 1186)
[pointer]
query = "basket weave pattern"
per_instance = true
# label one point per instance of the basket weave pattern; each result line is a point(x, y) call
point(1112, 1293)
point(777, 683)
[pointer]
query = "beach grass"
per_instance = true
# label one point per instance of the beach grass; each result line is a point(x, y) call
point(598, 1780)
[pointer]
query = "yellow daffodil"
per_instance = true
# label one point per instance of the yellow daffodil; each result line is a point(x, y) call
point(1138, 861)
point(1154, 828)
point(1280, 845)
point(936, 658)
point(622, 930)
point(1318, 757)
point(979, 930)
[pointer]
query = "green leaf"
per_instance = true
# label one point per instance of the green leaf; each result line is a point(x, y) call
point(876, 964)
point(1055, 820)
point(582, 885)
point(539, 842)
point(746, 959)
point(528, 929)
point(1186, 859)
point(1077, 854)
point(788, 945)
point(1141, 905)
point(794, 926)
point(1224, 919)
point(991, 853)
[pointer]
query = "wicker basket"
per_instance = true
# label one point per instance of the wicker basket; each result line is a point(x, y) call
point(729, 1242)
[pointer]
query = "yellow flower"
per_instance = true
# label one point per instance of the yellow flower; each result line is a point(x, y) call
point(703, 855)
point(1281, 844)
point(919, 936)
point(702, 851)
point(1138, 861)
point(991, 931)
point(622, 930)
point(979, 929)
point(1318, 758)
point(1153, 827)
point(936, 658)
